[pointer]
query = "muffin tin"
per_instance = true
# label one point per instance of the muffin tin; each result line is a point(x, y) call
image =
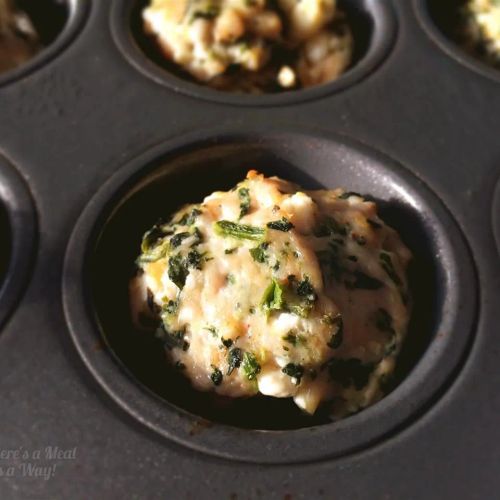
point(98, 140)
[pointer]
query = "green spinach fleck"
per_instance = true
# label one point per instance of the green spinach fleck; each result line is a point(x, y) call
point(178, 238)
point(306, 290)
point(234, 359)
point(212, 330)
point(301, 310)
point(170, 307)
point(281, 225)
point(216, 376)
point(194, 259)
point(154, 253)
point(198, 236)
point(251, 368)
point(188, 219)
point(151, 238)
point(294, 371)
point(230, 229)
point(292, 338)
point(177, 271)
point(245, 202)
point(338, 332)
point(273, 297)
point(259, 253)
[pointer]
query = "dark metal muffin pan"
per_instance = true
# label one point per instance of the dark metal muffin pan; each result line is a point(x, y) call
point(98, 147)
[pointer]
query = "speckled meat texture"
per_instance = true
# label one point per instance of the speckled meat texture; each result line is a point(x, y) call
point(236, 44)
point(270, 289)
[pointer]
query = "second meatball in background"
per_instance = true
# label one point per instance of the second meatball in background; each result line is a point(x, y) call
point(253, 46)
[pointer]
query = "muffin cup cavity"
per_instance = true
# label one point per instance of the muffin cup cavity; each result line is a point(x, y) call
point(132, 368)
point(56, 23)
point(373, 24)
point(17, 237)
point(441, 21)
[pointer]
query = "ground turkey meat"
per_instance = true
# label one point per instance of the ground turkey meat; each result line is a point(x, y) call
point(274, 290)
point(253, 45)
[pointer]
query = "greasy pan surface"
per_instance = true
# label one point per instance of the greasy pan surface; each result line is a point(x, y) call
point(85, 128)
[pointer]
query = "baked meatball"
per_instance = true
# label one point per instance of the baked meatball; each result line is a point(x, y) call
point(252, 46)
point(274, 290)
